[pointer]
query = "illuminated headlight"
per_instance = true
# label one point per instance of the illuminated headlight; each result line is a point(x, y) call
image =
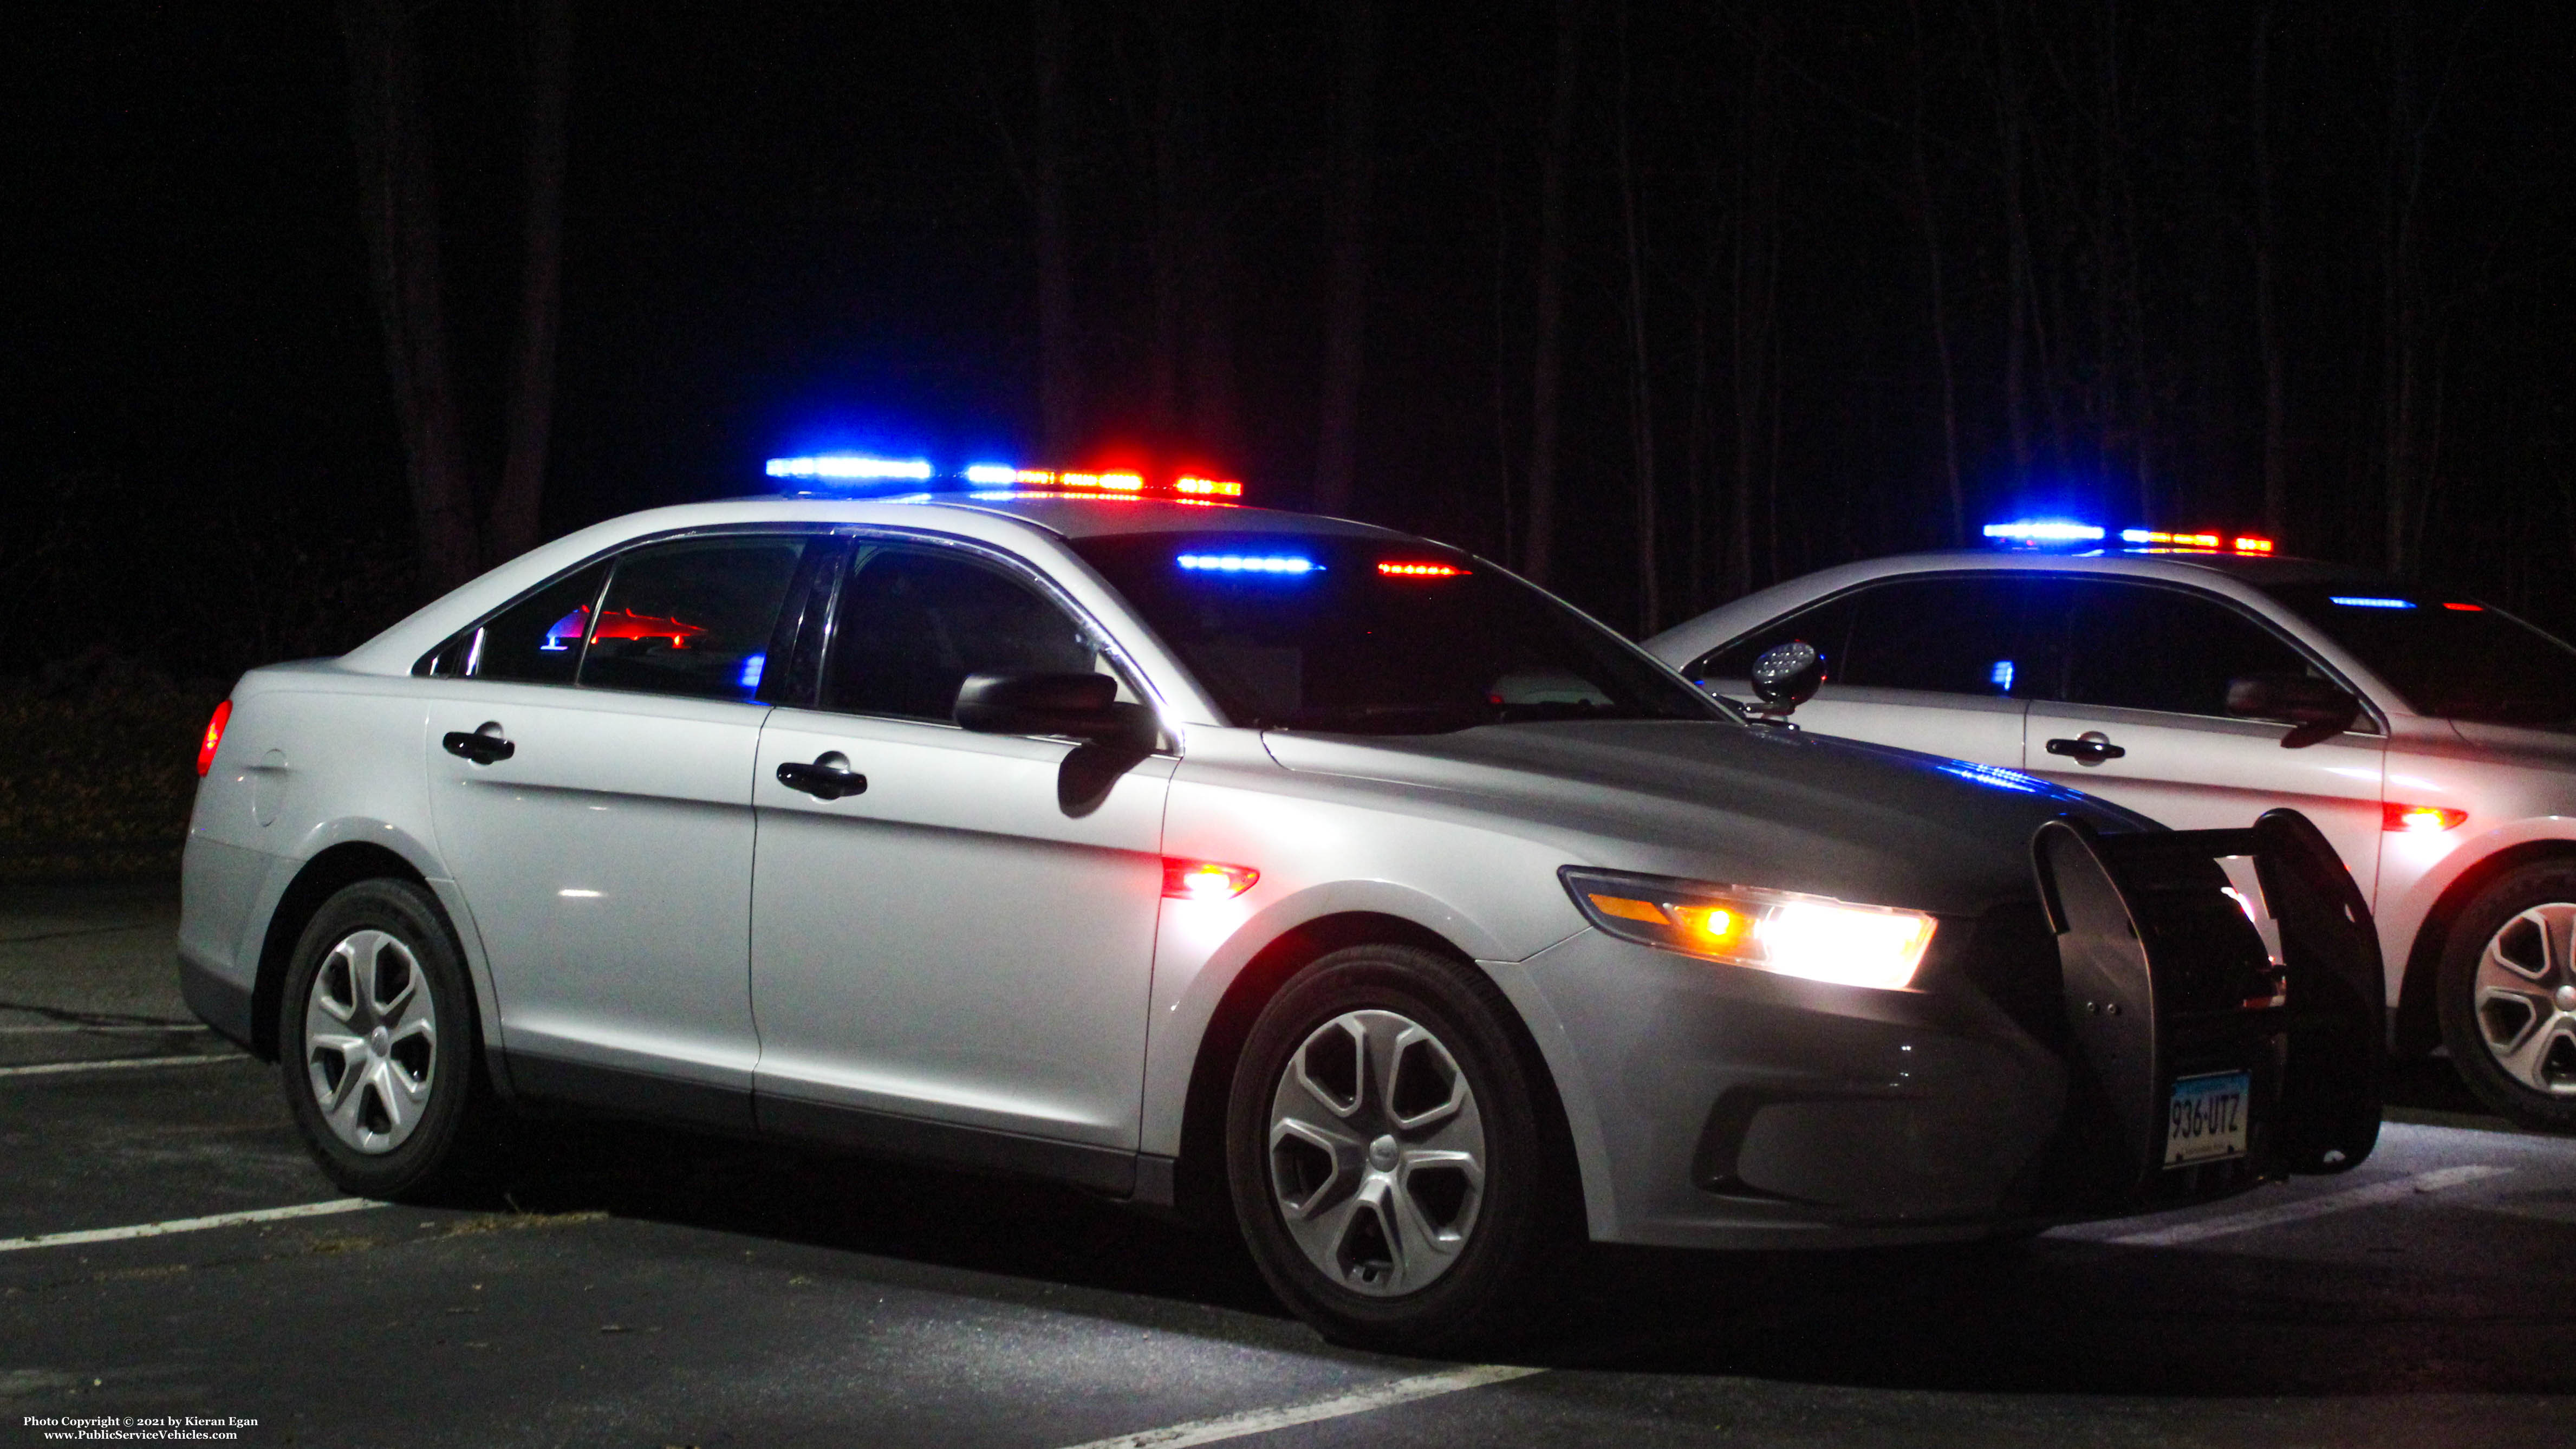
point(1796, 935)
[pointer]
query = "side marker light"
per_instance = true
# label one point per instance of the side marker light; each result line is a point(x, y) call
point(214, 736)
point(1205, 880)
point(2420, 819)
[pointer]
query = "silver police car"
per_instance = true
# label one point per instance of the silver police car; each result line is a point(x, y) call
point(1060, 824)
point(2200, 678)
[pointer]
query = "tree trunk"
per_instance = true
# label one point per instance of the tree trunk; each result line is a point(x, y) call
point(1641, 393)
point(1927, 209)
point(1756, 288)
point(2017, 283)
point(2400, 303)
point(1547, 362)
point(529, 426)
point(2267, 306)
point(1202, 253)
point(1059, 369)
point(398, 206)
point(1346, 286)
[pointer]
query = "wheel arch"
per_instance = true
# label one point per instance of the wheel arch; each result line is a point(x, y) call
point(321, 877)
point(2415, 1028)
point(1199, 1176)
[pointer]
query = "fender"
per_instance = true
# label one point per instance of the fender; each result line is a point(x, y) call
point(2403, 920)
point(322, 836)
point(1201, 947)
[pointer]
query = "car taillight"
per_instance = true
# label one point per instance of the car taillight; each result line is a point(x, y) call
point(214, 737)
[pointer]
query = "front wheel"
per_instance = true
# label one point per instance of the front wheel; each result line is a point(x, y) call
point(376, 1044)
point(2508, 996)
point(1391, 1157)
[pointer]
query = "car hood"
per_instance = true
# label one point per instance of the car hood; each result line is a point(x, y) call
point(1733, 804)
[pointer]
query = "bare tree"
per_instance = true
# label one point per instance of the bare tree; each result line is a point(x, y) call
point(2401, 293)
point(1346, 283)
point(398, 205)
point(1641, 386)
point(1059, 369)
point(1753, 343)
point(1547, 360)
point(529, 425)
point(2267, 303)
point(1927, 209)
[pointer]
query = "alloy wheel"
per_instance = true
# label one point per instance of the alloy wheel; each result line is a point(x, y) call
point(2525, 998)
point(371, 1041)
point(1377, 1153)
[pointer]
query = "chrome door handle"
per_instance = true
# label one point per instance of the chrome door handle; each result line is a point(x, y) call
point(2089, 748)
point(828, 778)
point(483, 746)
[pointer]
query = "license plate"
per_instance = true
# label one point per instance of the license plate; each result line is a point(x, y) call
point(2205, 1122)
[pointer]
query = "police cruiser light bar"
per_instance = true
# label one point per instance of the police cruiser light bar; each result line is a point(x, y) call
point(2039, 532)
point(841, 469)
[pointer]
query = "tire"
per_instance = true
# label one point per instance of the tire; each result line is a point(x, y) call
point(1396, 1157)
point(377, 1045)
point(2507, 994)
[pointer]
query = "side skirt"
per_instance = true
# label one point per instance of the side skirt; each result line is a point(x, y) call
point(1143, 1178)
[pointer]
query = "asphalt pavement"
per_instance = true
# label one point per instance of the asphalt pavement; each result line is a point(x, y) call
point(624, 1286)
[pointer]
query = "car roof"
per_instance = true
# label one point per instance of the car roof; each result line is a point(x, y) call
point(1026, 521)
point(1090, 516)
point(2232, 576)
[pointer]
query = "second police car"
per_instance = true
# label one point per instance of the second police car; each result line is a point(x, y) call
point(1336, 879)
point(2201, 678)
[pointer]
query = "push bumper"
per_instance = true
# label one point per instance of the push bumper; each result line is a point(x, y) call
point(2030, 1080)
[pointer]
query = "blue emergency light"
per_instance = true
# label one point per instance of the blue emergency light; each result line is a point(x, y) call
point(839, 467)
point(2044, 530)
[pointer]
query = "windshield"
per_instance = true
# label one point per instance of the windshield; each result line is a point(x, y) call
point(2449, 656)
point(1368, 636)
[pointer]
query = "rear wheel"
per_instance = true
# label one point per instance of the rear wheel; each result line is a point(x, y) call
point(377, 1044)
point(1391, 1159)
point(2508, 996)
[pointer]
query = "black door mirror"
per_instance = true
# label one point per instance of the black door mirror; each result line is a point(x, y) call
point(1081, 706)
point(2317, 709)
point(1787, 676)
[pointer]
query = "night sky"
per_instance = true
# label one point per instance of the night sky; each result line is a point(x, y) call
point(795, 227)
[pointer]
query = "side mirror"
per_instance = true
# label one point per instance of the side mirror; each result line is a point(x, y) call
point(1787, 676)
point(2316, 709)
point(1082, 706)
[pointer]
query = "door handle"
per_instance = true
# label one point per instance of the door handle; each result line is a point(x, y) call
point(828, 778)
point(2089, 748)
point(482, 746)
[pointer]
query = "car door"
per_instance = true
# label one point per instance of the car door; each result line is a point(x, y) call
point(967, 942)
point(2146, 674)
point(1938, 663)
point(590, 774)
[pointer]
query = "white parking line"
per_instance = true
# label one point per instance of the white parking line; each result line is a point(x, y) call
point(48, 1069)
point(153, 1028)
point(2394, 1190)
point(190, 1225)
point(1358, 1401)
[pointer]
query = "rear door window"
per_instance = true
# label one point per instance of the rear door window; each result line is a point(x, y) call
point(1990, 636)
point(534, 641)
point(692, 617)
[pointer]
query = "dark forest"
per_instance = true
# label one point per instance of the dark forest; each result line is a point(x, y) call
point(1660, 303)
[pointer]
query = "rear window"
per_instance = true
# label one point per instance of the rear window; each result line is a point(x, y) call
point(2448, 655)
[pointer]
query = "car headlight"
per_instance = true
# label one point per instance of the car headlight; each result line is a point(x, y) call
point(1816, 937)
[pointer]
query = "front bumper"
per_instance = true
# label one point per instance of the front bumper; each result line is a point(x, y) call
point(2026, 1082)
